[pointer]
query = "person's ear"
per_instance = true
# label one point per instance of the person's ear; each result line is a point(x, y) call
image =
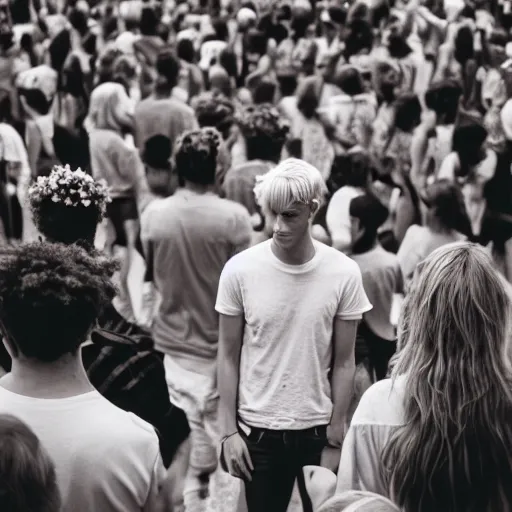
point(314, 207)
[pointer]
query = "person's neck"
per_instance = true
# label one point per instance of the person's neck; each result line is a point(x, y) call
point(364, 246)
point(438, 227)
point(198, 189)
point(298, 255)
point(162, 94)
point(63, 378)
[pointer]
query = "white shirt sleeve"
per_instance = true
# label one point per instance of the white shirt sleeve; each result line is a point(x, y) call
point(158, 476)
point(354, 301)
point(229, 296)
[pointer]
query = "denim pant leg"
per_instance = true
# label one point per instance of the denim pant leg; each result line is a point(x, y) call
point(277, 457)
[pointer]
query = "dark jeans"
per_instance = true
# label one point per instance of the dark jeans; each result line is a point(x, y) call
point(380, 351)
point(278, 457)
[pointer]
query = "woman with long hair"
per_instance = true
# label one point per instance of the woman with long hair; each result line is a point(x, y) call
point(112, 159)
point(437, 435)
point(445, 221)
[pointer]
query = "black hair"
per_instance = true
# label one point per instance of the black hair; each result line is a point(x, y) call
point(168, 69)
point(27, 473)
point(288, 84)
point(338, 14)
point(185, 50)
point(148, 22)
point(349, 80)
point(445, 202)
point(407, 112)
point(61, 288)
point(467, 142)
point(78, 20)
point(443, 98)
point(27, 45)
point(221, 29)
point(464, 45)
point(196, 156)
point(308, 97)
point(256, 42)
point(157, 151)
point(264, 92)
point(353, 169)
point(215, 110)
point(360, 37)
point(371, 214)
point(36, 100)
point(227, 59)
point(5, 106)
point(264, 132)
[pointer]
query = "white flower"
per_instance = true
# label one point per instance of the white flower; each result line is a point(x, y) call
point(83, 193)
point(68, 202)
point(86, 202)
point(55, 198)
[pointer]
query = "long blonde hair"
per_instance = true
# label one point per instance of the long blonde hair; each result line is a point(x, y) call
point(454, 452)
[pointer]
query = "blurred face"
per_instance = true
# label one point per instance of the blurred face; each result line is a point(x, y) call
point(289, 227)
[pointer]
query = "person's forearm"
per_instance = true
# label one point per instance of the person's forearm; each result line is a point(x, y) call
point(342, 387)
point(227, 380)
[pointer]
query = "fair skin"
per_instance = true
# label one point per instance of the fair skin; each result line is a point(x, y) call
point(293, 245)
point(63, 378)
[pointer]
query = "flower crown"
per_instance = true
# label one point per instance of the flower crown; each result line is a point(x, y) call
point(72, 188)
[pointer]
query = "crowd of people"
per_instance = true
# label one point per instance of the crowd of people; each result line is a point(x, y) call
point(319, 195)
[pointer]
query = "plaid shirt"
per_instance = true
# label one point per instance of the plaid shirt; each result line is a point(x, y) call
point(124, 368)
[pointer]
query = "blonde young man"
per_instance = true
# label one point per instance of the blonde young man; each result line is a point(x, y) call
point(289, 309)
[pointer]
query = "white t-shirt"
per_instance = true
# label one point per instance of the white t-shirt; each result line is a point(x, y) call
point(338, 216)
point(106, 459)
point(287, 348)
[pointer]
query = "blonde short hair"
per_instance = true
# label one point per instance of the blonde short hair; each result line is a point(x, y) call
point(292, 181)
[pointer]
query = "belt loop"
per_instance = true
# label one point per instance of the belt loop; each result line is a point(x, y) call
point(260, 435)
point(284, 437)
point(316, 432)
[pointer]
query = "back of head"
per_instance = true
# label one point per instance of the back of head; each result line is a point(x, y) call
point(445, 204)
point(308, 96)
point(157, 151)
point(349, 80)
point(62, 289)
point(265, 91)
point(358, 501)
point(455, 449)
point(407, 112)
point(352, 169)
point(443, 98)
point(168, 69)
point(370, 212)
point(67, 206)
point(264, 131)
point(214, 110)
point(149, 22)
point(27, 475)
point(196, 156)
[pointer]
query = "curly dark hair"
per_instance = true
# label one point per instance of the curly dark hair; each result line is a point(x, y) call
point(214, 109)
point(265, 132)
point(62, 290)
point(196, 156)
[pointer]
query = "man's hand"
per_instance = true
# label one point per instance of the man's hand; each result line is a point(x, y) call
point(331, 458)
point(236, 457)
point(332, 452)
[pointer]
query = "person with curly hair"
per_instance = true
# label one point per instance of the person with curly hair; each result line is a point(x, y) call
point(63, 290)
point(215, 110)
point(188, 238)
point(264, 132)
point(121, 362)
